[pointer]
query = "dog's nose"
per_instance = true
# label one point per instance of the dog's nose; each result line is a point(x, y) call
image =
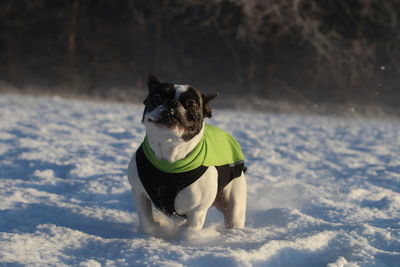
point(171, 111)
point(171, 106)
point(173, 103)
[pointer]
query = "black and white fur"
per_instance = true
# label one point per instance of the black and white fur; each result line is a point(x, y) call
point(174, 121)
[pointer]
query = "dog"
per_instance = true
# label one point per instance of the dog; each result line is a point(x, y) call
point(184, 166)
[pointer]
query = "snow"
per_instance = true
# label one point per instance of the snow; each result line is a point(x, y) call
point(322, 191)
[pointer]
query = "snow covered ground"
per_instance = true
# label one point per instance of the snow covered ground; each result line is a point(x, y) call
point(322, 191)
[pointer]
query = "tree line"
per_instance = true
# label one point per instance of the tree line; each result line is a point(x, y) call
point(303, 50)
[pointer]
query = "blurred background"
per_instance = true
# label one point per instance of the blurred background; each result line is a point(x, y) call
point(308, 53)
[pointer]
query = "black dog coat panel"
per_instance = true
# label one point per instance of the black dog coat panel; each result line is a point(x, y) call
point(163, 187)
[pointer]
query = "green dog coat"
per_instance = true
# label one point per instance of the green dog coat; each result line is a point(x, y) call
point(163, 180)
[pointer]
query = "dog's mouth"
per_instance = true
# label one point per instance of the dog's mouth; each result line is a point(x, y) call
point(168, 120)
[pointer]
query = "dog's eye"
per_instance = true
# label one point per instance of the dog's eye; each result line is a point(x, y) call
point(156, 99)
point(191, 103)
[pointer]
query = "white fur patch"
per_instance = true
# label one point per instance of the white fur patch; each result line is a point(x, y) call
point(167, 143)
point(179, 89)
point(155, 113)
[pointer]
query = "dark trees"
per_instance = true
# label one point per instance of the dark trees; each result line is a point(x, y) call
point(304, 50)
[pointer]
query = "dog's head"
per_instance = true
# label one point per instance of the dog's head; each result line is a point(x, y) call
point(178, 108)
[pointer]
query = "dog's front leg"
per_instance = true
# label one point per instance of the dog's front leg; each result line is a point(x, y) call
point(196, 219)
point(147, 224)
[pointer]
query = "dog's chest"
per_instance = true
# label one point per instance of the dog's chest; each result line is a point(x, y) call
point(163, 187)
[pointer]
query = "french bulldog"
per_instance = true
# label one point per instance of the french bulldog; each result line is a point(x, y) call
point(184, 166)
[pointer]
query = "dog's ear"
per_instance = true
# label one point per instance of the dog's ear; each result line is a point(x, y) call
point(152, 82)
point(207, 112)
point(146, 100)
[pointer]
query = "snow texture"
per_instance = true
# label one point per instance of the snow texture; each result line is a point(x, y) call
point(321, 191)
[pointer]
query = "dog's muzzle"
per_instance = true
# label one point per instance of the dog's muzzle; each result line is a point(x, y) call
point(169, 115)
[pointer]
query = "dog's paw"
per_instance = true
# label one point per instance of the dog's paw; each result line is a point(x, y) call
point(149, 228)
point(192, 235)
point(159, 230)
